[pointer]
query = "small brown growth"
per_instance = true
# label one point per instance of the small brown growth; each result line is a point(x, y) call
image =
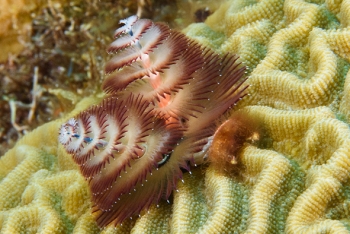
point(230, 137)
point(202, 14)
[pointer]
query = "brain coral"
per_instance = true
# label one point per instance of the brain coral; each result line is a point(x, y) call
point(295, 181)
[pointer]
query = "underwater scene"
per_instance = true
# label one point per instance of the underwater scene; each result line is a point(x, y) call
point(154, 116)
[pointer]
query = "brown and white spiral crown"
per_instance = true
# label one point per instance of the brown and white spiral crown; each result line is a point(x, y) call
point(165, 93)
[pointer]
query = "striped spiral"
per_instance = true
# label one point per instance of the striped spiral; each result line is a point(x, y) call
point(165, 95)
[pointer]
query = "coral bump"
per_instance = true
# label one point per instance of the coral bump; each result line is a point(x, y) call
point(165, 96)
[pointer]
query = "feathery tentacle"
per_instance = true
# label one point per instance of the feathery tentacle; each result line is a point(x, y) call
point(165, 93)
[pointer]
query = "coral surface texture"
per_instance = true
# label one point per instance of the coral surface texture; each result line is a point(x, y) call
point(295, 180)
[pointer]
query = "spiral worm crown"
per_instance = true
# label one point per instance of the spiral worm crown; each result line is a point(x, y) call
point(165, 94)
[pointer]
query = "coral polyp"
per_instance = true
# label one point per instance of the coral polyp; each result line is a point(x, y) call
point(165, 94)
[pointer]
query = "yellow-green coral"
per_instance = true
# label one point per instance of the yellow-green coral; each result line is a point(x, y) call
point(296, 181)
